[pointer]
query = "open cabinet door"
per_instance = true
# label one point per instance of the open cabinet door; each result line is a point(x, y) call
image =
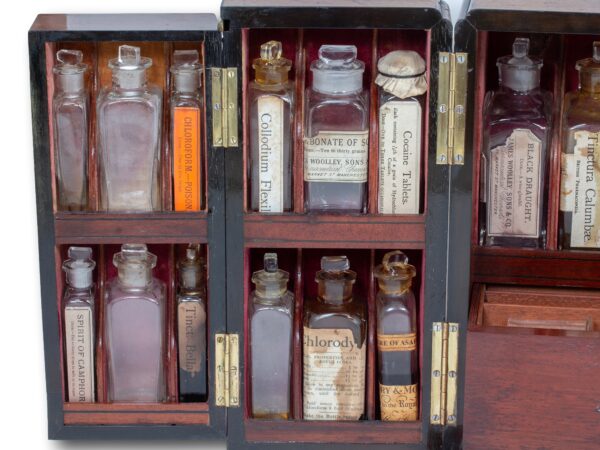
point(533, 341)
point(302, 238)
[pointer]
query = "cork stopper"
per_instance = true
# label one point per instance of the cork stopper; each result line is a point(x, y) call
point(337, 71)
point(186, 70)
point(79, 267)
point(402, 74)
point(192, 269)
point(271, 282)
point(589, 71)
point(271, 68)
point(134, 265)
point(69, 71)
point(395, 274)
point(129, 68)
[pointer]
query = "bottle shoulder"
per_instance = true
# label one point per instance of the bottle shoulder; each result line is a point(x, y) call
point(358, 100)
point(179, 100)
point(285, 303)
point(150, 96)
point(582, 111)
point(116, 292)
point(505, 105)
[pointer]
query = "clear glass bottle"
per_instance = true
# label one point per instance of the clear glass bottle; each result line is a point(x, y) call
point(336, 145)
point(134, 328)
point(580, 158)
point(514, 164)
point(398, 366)
point(191, 325)
point(270, 104)
point(128, 135)
point(70, 106)
point(335, 328)
point(186, 132)
point(402, 81)
point(271, 325)
point(79, 317)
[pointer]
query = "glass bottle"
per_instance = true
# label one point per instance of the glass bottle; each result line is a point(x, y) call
point(335, 328)
point(402, 81)
point(336, 146)
point(398, 367)
point(186, 132)
point(580, 173)
point(70, 105)
point(517, 125)
point(191, 322)
point(129, 130)
point(79, 324)
point(271, 100)
point(134, 328)
point(271, 325)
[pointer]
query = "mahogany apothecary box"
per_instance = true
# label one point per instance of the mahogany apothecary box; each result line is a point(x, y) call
point(483, 384)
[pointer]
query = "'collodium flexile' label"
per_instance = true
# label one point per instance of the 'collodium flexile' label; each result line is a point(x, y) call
point(79, 340)
point(186, 158)
point(337, 156)
point(270, 145)
point(191, 319)
point(580, 185)
point(514, 183)
point(334, 375)
point(399, 157)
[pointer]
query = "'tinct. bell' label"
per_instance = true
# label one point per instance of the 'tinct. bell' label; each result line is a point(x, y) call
point(399, 157)
point(514, 183)
point(580, 187)
point(191, 321)
point(79, 346)
point(270, 144)
point(337, 157)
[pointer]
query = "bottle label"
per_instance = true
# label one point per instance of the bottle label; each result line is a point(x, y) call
point(514, 183)
point(186, 158)
point(399, 157)
point(334, 375)
point(397, 342)
point(580, 186)
point(191, 321)
point(399, 403)
point(270, 144)
point(337, 157)
point(79, 346)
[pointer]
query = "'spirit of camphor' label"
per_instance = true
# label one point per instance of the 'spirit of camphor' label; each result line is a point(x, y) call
point(399, 157)
point(334, 375)
point(580, 187)
point(191, 322)
point(514, 186)
point(79, 346)
point(186, 158)
point(270, 158)
point(337, 157)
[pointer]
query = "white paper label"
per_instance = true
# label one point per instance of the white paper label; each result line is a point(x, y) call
point(399, 157)
point(514, 183)
point(337, 157)
point(334, 375)
point(270, 144)
point(79, 346)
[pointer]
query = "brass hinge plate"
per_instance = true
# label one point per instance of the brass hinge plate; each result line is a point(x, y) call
point(451, 114)
point(224, 91)
point(444, 373)
point(227, 377)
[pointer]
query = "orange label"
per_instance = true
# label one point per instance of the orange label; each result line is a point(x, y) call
point(397, 342)
point(186, 159)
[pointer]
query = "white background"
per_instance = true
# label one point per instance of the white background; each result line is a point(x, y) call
point(22, 381)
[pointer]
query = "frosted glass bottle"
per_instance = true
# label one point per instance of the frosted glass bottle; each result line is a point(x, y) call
point(516, 135)
point(580, 159)
point(271, 325)
point(129, 130)
point(270, 109)
point(398, 366)
point(134, 328)
point(70, 112)
point(336, 143)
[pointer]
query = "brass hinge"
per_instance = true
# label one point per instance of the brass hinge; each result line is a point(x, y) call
point(451, 114)
point(227, 378)
point(224, 91)
point(444, 373)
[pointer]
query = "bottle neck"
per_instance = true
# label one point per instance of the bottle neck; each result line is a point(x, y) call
point(394, 287)
point(335, 292)
point(135, 277)
point(589, 82)
point(129, 80)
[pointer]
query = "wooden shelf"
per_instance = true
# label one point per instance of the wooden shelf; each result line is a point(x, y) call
point(334, 231)
point(157, 228)
point(557, 268)
point(136, 413)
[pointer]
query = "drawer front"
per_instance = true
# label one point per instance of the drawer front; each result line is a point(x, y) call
point(531, 391)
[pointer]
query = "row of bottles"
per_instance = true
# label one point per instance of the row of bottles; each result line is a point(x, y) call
point(336, 132)
point(134, 328)
point(334, 342)
point(128, 133)
point(516, 157)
